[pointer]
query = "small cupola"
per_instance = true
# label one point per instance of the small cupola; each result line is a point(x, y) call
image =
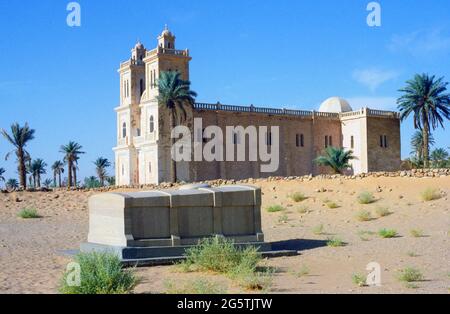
point(166, 39)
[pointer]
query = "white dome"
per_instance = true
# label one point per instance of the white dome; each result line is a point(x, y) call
point(336, 105)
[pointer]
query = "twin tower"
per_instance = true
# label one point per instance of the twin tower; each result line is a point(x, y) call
point(143, 151)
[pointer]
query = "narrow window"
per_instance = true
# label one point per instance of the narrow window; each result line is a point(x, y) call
point(149, 167)
point(168, 45)
point(381, 141)
point(330, 140)
point(141, 86)
point(352, 142)
point(124, 130)
point(385, 141)
point(152, 124)
point(123, 170)
point(297, 140)
point(302, 140)
point(326, 141)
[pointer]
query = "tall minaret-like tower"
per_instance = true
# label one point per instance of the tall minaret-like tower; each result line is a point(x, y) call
point(142, 153)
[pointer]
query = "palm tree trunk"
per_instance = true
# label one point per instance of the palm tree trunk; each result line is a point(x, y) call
point(59, 179)
point(54, 179)
point(69, 174)
point(22, 169)
point(426, 145)
point(38, 180)
point(173, 165)
point(74, 176)
point(34, 180)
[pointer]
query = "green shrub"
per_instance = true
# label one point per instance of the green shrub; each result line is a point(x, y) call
point(430, 194)
point(196, 286)
point(275, 209)
point(298, 197)
point(318, 230)
point(303, 210)
point(364, 235)
point(412, 254)
point(383, 212)
point(410, 274)
point(28, 214)
point(101, 273)
point(387, 233)
point(366, 198)
point(364, 215)
point(252, 279)
point(331, 204)
point(335, 242)
point(359, 280)
point(416, 233)
point(221, 256)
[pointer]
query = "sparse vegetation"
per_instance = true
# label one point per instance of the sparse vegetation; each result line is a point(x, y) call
point(222, 256)
point(412, 254)
point(302, 272)
point(359, 280)
point(330, 204)
point(298, 197)
point(364, 215)
point(364, 235)
point(387, 233)
point(335, 242)
point(275, 208)
point(196, 286)
point(383, 211)
point(430, 194)
point(365, 198)
point(410, 274)
point(416, 233)
point(28, 213)
point(101, 273)
point(283, 219)
point(303, 210)
point(318, 230)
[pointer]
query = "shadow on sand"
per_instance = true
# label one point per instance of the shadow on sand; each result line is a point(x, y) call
point(298, 245)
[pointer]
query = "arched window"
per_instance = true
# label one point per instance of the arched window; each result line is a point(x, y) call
point(168, 45)
point(152, 124)
point(124, 130)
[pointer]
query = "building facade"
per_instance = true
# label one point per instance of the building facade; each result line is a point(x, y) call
point(143, 151)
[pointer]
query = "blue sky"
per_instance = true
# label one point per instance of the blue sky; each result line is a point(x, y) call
point(285, 53)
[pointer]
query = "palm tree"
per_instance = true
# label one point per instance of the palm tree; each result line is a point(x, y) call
point(38, 168)
point(71, 151)
point(58, 169)
point(101, 164)
point(74, 170)
point(439, 157)
point(19, 138)
point(418, 144)
point(176, 96)
point(91, 182)
point(111, 180)
point(336, 158)
point(48, 182)
point(12, 184)
point(425, 97)
point(2, 172)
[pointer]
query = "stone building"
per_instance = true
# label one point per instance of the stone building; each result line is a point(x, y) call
point(143, 151)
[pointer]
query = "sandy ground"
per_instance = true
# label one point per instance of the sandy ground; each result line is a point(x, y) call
point(32, 251)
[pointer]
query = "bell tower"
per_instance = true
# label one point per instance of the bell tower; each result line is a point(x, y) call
point(166, 40)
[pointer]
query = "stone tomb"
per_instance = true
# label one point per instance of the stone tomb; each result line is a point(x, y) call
point(158, 226)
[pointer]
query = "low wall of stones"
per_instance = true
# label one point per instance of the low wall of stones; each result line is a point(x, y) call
point(414, 173)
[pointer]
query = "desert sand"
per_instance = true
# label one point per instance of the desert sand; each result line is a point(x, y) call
point(33, 253)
